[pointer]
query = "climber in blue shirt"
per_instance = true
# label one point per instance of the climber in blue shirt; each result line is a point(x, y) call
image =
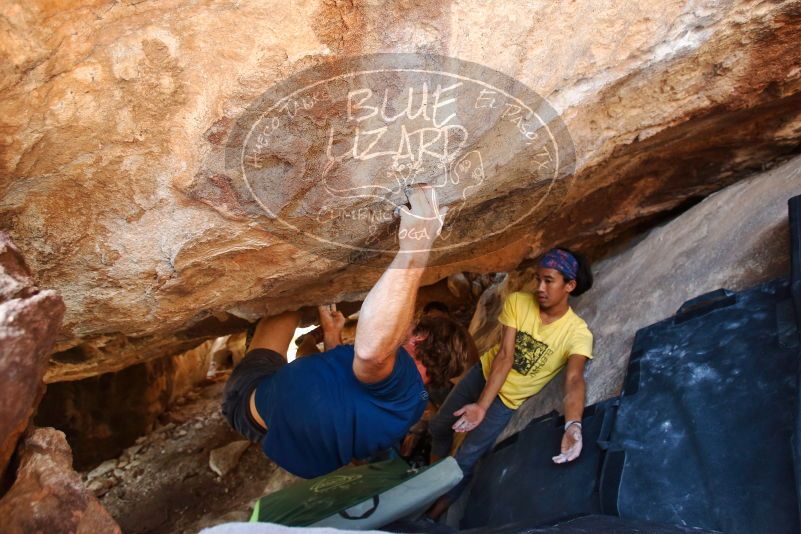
point(321, 411)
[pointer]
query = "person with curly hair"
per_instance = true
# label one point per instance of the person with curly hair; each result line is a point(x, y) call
point(540, 336)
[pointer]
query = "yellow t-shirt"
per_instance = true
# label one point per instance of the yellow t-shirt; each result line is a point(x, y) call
point(540, 350)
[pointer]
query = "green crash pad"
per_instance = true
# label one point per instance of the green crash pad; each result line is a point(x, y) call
point(312, 502)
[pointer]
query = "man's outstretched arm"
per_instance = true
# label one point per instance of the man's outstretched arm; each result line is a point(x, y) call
point(387, 311)
point(575, 389)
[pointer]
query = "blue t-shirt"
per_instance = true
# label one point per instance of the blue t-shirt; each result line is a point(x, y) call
point(320, 417)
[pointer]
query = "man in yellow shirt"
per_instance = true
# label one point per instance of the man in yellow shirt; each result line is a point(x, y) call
point(540, 335)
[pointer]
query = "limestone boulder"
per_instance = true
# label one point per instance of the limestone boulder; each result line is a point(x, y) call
point(116, 119)
point(48, 496)
point(29, 323)
point(734, 239)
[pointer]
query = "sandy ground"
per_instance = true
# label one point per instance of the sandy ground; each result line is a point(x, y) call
point(164, 483)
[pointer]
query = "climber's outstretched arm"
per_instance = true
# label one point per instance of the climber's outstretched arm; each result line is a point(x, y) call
point(387, 311)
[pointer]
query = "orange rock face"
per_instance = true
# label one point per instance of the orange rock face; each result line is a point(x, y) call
point(47, 495)
point(115, 121)
point(29, 322)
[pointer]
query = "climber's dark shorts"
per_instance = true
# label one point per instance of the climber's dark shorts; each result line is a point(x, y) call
point(255, 366)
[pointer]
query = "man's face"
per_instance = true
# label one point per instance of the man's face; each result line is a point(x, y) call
point(551, 287)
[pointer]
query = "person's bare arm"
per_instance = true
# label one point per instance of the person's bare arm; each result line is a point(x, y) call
point(384, 320)
point(575, 390)
point(387, 311)
point(473, 414)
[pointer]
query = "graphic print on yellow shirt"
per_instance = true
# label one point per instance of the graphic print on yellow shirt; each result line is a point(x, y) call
point(530, 355)
point(541, 351)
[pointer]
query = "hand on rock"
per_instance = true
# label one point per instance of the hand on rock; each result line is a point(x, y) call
point(331, 319)
point(422, 223)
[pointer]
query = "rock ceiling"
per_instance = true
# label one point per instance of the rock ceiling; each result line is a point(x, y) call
point(126, 128)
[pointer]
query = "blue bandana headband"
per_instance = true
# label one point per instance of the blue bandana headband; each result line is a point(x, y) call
point(562, 261)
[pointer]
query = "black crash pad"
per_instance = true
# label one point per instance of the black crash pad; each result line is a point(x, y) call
point(703, 431)
point(794, 205)
point(518, 481)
